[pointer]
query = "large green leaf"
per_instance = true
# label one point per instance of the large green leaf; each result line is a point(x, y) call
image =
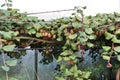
point(108, 35)
point(5, 68)
point(88, 30)
point(117, 49)
point(9, 47)
point(11, 62)
point(106, 48)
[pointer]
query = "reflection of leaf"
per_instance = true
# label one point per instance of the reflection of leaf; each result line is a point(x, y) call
point(106, 48)
point(108, 35)
point(11, 62)
point(117, 49)
point(5, 68)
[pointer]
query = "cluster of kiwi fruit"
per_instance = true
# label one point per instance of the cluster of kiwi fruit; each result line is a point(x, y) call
point(47, 51)
point(47, 34)
point(100, 32)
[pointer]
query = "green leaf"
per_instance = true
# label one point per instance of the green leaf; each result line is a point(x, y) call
point(117, 49)
point(3, 5)
point(83, 39)
point(89, 30)
point(9, 0)
point(106, 48)
point(11, 62)
point(59, 59)
point(15, 33)
point(118, 57)
point(37, 26)
point(89, 44)
point(76, 24)
point(5, 68)
point(66, 53)
point(32, 31)
point(117, 31)
point(17, 39)
point(7, 35)
point(73, 36)
point(92, 37)
point(108, 35)
point(86, 75)
point(111, 28)
point(106, 57)
point(38, 35)
point(60, 38)
point(67, 72)
point(74, 46)
point(115, 40)
point(9, 47)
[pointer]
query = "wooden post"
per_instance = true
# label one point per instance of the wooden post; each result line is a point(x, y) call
point(36, 65)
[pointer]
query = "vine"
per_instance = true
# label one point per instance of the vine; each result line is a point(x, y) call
point(67, 34)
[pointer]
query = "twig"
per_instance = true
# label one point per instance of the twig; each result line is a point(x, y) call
point(3, 56)
point(39, 40)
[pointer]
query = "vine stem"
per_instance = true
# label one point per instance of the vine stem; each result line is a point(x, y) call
point(39, 40)
point(3, 56)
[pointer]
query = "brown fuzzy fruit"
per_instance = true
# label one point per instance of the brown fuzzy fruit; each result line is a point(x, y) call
point(49, 35)
point(54, 36)
point(10, 42)
point(70, 62)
